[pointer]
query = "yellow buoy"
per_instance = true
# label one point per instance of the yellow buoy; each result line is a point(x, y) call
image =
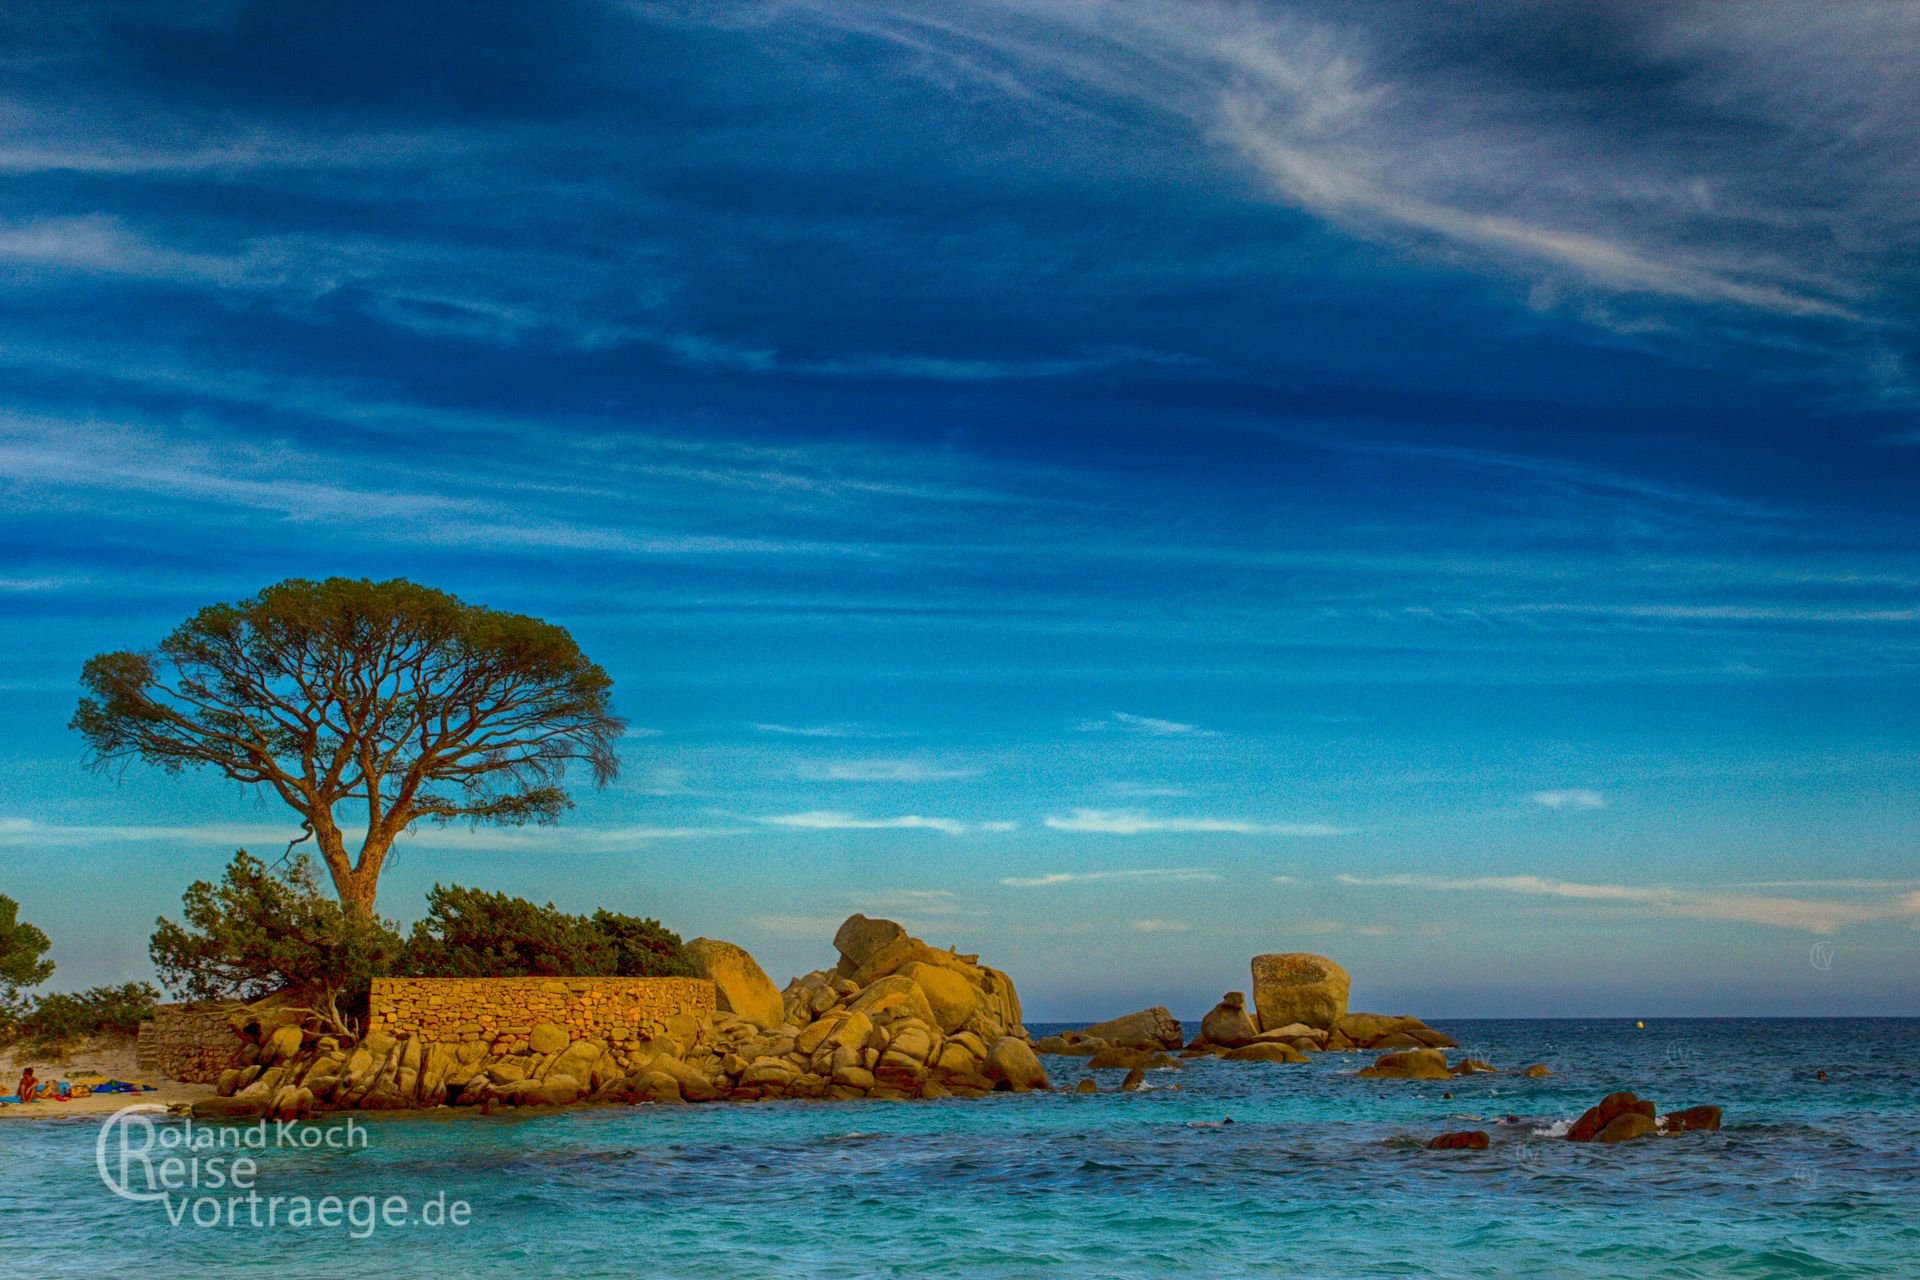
point(1641, 1025)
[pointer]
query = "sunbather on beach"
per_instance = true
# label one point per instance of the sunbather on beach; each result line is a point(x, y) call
point(30, 1088)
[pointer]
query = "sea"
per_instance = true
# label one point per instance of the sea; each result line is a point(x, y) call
point(1320, 1174)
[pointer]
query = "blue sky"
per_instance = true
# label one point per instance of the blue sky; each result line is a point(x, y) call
point(1117, 487)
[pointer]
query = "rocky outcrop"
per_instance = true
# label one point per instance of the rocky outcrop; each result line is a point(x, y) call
point(1598, 1120)
point(923, 1023)
point(1228, 1022)
point(1384, 1031)
point(1625, 1116)
point(1154, 1028)
point(1298, 986)
point(740, 986)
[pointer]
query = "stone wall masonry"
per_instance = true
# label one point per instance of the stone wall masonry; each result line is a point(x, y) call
point(189, 1042)
point(502, 1012)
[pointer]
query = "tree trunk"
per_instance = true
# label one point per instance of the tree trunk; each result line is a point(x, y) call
point(354, 884)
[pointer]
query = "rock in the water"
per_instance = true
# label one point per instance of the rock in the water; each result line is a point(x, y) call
point(1463, 1140)
point(1228, 1023)
point(1626, 1127)
point(1154, 1028)
point(1266, 1051)
point(1690, 1119)
point(1409, 1064)
point(1472, 1066)
point(1610, 1108)
point(1536, 1071)
point(1010, 1062)
point(1297, 986)
point(1133, 1059)
point(741, 987)
point(1075, 1043)
point(1089, 1085)
point(1135, 1081)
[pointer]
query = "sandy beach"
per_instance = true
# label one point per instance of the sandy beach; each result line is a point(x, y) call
point(111, 1056)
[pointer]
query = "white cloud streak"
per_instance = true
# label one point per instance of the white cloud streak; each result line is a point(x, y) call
point(827, 820)
point(1158, 875)
point(1569, 798)
point(1134, 822)
point(882, 771)
point(1814, 915)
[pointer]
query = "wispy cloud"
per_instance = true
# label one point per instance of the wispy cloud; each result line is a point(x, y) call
point(1144, 726)
point(883, 771)
point(1133, 822)
point(839, 730)
point(1569, 798)
point(1154, 924)
point(826, 820)
point(1134, 874)
point(1816, 915)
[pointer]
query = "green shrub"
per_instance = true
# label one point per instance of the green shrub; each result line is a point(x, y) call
point(470, 933)
point(261, 931)
point(58, 1018)
point(643, 948)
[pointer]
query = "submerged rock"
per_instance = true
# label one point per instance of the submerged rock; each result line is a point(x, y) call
point(1463, 1140)
point(1409, 1064)
point(1692, 1118)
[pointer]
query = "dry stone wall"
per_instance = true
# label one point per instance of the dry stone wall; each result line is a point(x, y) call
point(189, 1042)
point(503, 1012)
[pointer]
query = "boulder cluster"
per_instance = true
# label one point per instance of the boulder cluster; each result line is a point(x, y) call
point(895, 1018)
point(1299, 1007)
point(1624, 1116)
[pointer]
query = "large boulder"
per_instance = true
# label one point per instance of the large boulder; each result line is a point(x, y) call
point(951, 996)
point(1297, 986)
point(860, 939)
point(1228, 1023)
point(1153, 1028)
point(740, 986)
point(1012, 1064)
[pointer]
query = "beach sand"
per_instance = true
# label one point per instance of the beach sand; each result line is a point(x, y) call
point(110, 1056)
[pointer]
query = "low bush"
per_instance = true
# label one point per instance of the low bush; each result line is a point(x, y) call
point(261, 931)
point(61, 1018)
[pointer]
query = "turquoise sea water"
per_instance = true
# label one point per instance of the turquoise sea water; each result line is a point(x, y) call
point(1318, 1176)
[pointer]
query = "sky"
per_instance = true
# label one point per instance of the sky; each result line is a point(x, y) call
point(1117, 487)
